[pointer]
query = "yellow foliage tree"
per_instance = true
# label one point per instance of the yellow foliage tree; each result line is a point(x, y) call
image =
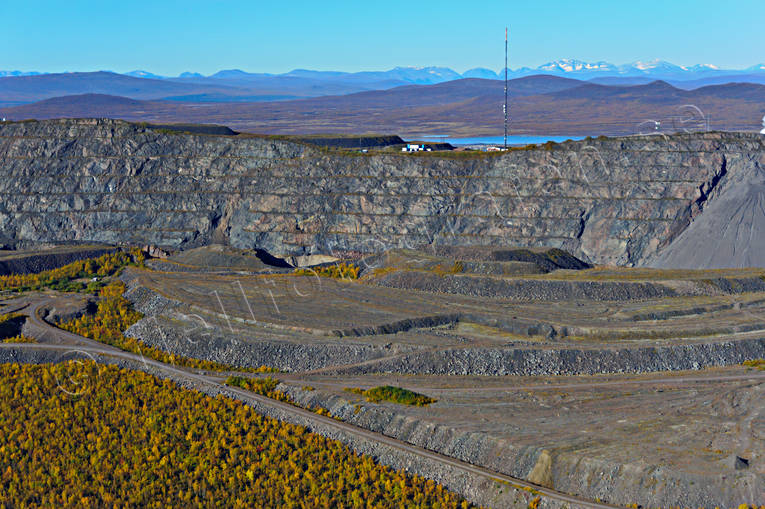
point(114, 314)
point(132, 440)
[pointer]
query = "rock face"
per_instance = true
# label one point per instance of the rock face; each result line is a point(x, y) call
point(734, 223)
point(615, 201)
point(565, 469)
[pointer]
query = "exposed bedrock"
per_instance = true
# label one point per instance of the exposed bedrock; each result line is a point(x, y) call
point(216, 346)
point(569, 361)
point(634, 482)
point(526, 290)
point(616, 201)
point(170, 331)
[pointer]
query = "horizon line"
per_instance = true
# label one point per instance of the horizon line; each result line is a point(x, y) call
point(685, 68)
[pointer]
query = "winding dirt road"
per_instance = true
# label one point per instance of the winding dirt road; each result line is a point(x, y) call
point(55, 339)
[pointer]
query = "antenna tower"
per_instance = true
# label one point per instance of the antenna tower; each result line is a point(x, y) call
point(505, 107)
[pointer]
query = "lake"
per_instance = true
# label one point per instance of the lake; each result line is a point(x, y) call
point(498, 140)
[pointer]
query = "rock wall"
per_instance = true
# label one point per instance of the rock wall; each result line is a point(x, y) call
point(616, 201)
point(567, 361)
point(734, 221)
point(160, 328)
point(593, 478)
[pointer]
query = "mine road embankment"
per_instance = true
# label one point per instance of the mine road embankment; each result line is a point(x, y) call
point(73, 343)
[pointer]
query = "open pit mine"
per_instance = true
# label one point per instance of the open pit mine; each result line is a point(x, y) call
point(585, 321)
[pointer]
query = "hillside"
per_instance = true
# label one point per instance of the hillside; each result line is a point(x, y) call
point(607, 201)
point(544, 105)
point(35, 88)
point(224, 86)
point(308, 81)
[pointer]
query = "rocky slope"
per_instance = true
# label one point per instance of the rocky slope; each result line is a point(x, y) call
point(734, 222)
point(615, 201)
point(567, 469)
point(21, 262)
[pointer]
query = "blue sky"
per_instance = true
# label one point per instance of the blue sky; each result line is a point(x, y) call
point(169, 37)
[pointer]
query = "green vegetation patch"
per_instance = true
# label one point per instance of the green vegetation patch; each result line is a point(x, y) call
point(394, 395)
point(267, 387)
point(264, 386)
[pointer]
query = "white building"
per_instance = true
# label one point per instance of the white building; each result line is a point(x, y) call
point(416, 147)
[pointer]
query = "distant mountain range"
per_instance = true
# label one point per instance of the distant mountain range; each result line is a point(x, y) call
point(568, 97)
point(657, 69)
point(235, 85)
point(540, 104)
point(4, 74)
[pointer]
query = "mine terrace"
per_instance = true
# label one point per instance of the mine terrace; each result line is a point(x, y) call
point(556, 313)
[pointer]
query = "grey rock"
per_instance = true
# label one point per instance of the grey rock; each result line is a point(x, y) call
point(607, 201)
point(593, 478)
point(731, 230)
point(740, 463)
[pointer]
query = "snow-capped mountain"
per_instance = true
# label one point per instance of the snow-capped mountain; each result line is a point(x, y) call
point(656, 69)
point(6, 74)
point(579, 69)
point(309, 83)
point(702, 67)
point(144, 74)
point(570, 65)
point(423, 74)
point(651, 66)
point(480, 72)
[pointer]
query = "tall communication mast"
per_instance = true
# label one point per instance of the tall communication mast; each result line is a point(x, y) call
point(505, 107)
